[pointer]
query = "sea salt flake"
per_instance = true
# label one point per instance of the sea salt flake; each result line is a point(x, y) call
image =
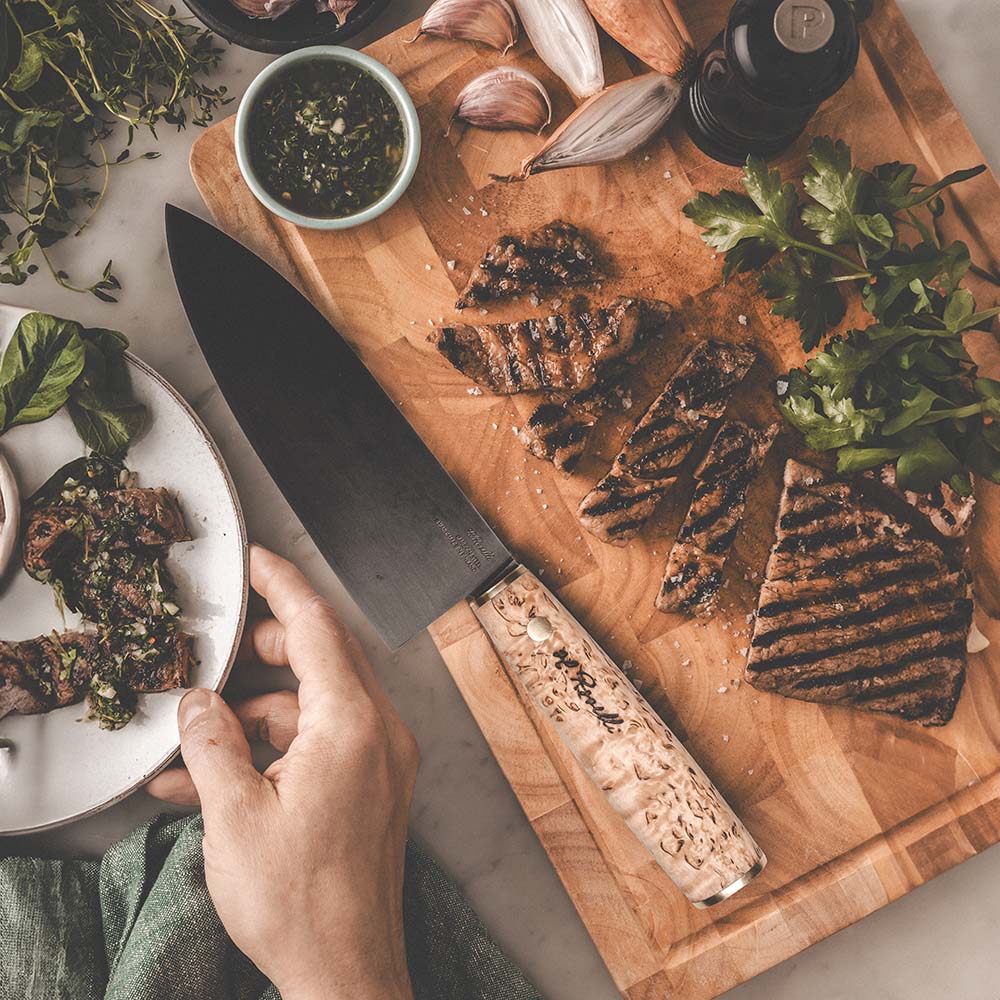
point(742, 319)
point(723, 689)
point(545, 506)
point(450, 265)
point(465, 211)
point(667, 175)
point(427, 267)
point(494, 426)
point(474, 391)
point(725, 738)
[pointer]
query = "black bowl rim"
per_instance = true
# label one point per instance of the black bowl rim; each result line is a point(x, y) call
point(248, 38)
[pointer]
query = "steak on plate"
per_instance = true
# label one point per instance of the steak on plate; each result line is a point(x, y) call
point(694, 571)
point(554, 256)
point(857, 609)
point(648, 464)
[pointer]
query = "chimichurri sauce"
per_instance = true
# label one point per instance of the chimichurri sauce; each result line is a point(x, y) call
point(326, 139)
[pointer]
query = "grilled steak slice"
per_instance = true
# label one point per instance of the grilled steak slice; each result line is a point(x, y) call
point(38, 675)
point(45, 673)
point(557, 429)
point(126, 518)
point(554, 256)
point(566, 352)
point(856, 609)
point(647, 466)
point(693, 576)
point(949, 513)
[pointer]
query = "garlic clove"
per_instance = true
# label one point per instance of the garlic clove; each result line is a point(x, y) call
point(504, 98)
point(341, 8)
point(264, 8)
point(492, 22)
point(607, 126)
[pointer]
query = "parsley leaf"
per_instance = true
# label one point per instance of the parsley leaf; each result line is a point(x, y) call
point(801, 290)
point(841, 192)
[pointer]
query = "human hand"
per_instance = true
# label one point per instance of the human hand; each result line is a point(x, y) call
point(304, 862)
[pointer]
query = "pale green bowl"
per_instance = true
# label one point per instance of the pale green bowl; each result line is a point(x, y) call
point(411, 130)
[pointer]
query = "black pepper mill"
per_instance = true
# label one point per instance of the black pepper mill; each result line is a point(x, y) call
point(762, 78)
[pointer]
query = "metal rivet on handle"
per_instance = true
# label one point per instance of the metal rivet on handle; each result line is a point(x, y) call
point(539, 629)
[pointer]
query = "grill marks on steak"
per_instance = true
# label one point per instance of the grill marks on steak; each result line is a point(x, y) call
point(38, 675)
point(694, 572)
point(856, 609)
point(557, 430)
point(554, 256)
point(648, 464)
point(566, 352)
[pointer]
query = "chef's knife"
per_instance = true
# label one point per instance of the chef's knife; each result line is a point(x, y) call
point(408, 545)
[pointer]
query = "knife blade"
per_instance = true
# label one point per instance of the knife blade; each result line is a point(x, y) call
point(408, 545)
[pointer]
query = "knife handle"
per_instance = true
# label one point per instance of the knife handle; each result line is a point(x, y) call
point(624, 747)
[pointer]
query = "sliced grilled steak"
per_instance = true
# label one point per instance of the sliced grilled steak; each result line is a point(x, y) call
point(557, 429)
point(554, 256)
point(647, 466)
point(694, 572)
point(949, 513)
point(38, 675)
point(566, 352)
point(126, 518)
point(856, 609)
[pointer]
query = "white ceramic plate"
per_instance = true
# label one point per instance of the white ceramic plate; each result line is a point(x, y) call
point(62, 768)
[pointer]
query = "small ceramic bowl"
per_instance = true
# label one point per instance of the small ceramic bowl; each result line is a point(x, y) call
point(411, 130)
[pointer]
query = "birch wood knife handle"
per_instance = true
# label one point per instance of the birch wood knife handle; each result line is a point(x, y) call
point(625, 748)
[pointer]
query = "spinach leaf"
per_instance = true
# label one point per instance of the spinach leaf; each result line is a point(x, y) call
point(42, 361)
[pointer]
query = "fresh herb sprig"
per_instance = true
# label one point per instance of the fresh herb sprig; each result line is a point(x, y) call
point(70, 72)
point(803, 251)
point(904, 390)
point(51, 362)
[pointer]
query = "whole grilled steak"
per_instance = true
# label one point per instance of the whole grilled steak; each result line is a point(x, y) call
point(648, 464)
point(566, 352)
point(552, 257)
point(856, 609)
point(694, 572)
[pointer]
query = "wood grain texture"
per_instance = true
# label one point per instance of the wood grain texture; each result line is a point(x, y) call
point(853, 810)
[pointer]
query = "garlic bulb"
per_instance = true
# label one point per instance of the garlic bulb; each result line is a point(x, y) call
point(607, 127)
point(504, 98)
point(341, 8)
point(264, 8)
point(492, 22)
point(976, 641)
point(564, 35)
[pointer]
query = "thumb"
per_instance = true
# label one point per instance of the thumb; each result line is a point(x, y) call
point(216, 752)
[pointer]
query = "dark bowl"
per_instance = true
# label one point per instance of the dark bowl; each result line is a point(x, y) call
point(301, 26)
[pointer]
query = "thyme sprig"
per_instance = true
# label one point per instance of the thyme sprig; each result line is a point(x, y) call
point(71, 72)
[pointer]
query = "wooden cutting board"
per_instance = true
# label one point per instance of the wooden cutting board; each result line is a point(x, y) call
point(853, 809)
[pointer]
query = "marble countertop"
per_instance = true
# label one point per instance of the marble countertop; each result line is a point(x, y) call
point(937, 941)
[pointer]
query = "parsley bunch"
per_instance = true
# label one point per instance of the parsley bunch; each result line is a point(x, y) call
point(70, 70)
point(903, 390)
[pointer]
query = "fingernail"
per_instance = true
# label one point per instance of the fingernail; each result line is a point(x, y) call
point(192, 705)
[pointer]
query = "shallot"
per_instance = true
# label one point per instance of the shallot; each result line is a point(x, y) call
point(606, 127)
point(653, 30)
point(563, 34)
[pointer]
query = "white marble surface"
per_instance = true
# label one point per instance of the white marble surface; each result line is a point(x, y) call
point(939, 940)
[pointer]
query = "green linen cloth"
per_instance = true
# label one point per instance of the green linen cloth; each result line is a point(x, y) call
point(140, 925)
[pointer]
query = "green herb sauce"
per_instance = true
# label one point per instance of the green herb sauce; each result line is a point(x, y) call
point(326, 139)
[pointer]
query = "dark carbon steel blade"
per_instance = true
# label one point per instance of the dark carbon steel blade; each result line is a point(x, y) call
point(389, 519)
